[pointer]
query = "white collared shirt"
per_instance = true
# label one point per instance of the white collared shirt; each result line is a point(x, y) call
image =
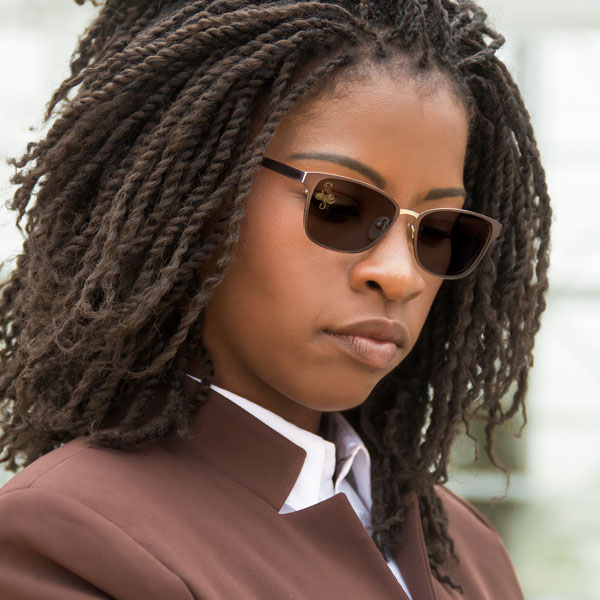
point(342, 465)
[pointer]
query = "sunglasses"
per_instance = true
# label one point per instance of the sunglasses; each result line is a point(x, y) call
point(347, 215)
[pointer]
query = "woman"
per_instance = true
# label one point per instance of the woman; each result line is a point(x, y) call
point(275, 251)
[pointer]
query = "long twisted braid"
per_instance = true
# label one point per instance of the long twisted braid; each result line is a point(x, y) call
point(140, 185)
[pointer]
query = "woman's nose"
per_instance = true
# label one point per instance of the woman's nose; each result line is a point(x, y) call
point(390, 265)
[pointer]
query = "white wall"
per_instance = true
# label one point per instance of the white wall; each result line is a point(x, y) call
point(36, 40)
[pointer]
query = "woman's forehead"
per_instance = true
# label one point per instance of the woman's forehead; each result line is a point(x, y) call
point(380, 111)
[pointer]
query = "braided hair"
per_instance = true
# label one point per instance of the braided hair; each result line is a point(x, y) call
point(139, 185)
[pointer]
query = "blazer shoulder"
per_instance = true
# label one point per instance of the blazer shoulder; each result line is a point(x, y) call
point(85, 472)
point(44, 466)
point(484, 568)
point(55, 546)
point(459, 508)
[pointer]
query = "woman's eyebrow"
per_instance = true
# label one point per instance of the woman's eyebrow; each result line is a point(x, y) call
point(345, 161)
point(371, 173)
point(445, 193)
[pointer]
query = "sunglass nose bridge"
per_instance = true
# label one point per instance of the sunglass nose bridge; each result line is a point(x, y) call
point(411, 223)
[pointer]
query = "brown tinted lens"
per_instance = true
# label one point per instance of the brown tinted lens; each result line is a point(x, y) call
point(449, 242)
point(347, 216)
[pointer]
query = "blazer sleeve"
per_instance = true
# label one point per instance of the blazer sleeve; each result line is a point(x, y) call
point(53, 546)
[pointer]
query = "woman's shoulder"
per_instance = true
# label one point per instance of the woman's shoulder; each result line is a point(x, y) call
point(116, 484)
point(107, 479)
point(480, 549)
point(462, 512)
point(54, 463)
point(74, 467)
point(77, 483)
point(107, 483)
point(57, 520)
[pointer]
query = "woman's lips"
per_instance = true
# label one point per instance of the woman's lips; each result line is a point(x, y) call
point(374, 353)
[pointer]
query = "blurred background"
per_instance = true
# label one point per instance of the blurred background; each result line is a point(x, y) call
point(548, 516)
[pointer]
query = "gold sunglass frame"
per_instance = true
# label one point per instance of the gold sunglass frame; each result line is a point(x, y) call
point(310, 179)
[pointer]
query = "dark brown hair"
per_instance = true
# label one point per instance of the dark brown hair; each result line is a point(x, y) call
point(139, 186)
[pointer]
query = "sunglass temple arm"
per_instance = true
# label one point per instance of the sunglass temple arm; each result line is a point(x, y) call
point(286, 170)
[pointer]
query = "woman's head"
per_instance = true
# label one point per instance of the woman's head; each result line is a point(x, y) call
point(267, 324)
point(144, 203)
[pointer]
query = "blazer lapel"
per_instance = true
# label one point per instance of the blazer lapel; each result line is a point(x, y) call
point(411, 555)
point(240, 446)
point(334, 526)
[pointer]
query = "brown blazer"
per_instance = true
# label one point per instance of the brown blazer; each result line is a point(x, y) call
point(182, 520)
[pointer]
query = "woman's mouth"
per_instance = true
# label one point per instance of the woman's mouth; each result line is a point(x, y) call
point(374, 353)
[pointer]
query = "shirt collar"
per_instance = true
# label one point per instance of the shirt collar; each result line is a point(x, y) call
point(352, 457)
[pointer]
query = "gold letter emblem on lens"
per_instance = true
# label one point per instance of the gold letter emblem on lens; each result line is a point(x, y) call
point(326, 197)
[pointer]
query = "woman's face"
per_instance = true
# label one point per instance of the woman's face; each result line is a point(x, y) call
point(267, 324)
